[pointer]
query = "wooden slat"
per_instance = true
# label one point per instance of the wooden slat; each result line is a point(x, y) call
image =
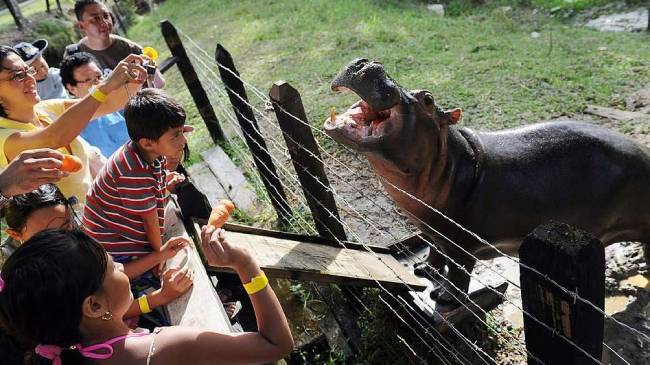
point(232, 180)
point(300, 237)
point(296, 260)
point(200, 307)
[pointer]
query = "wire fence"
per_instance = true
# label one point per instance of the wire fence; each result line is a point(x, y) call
point(341, 171)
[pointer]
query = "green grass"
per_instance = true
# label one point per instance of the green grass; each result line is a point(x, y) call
point(29, 10)
point(489, 65)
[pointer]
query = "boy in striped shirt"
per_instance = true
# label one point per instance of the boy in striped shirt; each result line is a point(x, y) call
point(125, 206)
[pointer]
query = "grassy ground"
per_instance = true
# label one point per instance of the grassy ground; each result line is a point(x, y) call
point(29, 10)
point(486, 62)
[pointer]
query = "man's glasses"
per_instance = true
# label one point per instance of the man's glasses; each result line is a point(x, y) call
point(93, 80)
point(21, 75)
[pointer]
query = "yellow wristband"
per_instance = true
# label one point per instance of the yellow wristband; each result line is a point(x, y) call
point(257, 283)
point(143, 302)
point(98, 94)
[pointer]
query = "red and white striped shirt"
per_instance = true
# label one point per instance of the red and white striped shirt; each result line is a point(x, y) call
point(125, 188)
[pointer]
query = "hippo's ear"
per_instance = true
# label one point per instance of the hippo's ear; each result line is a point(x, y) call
point(454, 115)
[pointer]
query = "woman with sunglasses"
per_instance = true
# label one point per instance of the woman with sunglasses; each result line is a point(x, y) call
point(27, 123)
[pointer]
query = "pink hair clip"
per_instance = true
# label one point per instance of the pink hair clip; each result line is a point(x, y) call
point(2, 284)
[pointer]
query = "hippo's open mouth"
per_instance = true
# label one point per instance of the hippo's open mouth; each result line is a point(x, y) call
point(361, 121)
point(366, 122)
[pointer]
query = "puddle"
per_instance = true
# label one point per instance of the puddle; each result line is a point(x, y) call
point(616, 303)
point(640, 281)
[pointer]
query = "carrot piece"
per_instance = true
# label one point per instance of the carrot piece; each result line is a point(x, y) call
point(71, 163)
point(230, 206)
point(219, 216)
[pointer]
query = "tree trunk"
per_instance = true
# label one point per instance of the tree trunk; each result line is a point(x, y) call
point(14, 9)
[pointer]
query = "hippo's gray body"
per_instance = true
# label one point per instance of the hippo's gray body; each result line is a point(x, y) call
point(499, 185)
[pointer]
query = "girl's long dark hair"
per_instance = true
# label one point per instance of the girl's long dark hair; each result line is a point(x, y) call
point(46, 281)
point(17, 211)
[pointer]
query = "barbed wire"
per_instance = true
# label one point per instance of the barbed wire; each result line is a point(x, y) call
point(521, 265)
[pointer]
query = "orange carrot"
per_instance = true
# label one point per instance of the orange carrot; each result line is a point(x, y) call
point(71, 163)
point(228, 204)
point(219, 216)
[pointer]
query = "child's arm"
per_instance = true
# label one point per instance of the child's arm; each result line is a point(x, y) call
point(174, 283)
point(152, 228)
point(273, 340)
point(143, 264)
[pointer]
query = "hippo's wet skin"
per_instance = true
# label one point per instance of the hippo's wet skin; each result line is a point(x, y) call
point(498, 185)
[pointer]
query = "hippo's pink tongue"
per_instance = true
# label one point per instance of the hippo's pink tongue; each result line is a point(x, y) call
point(369, 80)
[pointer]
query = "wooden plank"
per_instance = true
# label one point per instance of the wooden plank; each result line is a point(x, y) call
point(254, 139)
point(167, 64)
point(295, 260)
point(232, 180)
point(306, 159)
point(576, 261)
point(615, 114)
point(192, 81)
point(300, 237)
point(200, 307)
point(204, 180)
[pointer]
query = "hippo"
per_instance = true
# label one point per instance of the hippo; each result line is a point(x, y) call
point(498, 185)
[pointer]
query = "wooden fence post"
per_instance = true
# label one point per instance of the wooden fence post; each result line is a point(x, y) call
point(254, 140)
point(576, 261)
point(16, 13)
point(306, 159)
point(192, 81)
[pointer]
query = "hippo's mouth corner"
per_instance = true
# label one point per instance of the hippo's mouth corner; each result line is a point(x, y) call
point(360, 123)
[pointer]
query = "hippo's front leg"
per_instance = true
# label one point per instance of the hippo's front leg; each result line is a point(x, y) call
point(454, 286)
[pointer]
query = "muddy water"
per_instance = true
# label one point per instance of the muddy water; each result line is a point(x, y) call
point(618, 303)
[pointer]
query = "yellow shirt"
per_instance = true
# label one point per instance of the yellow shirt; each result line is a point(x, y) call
point(78, 183)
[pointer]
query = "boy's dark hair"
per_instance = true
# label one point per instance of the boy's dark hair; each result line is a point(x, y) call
point(80, 7)
point(4, 52)
point(150, 113)
point(46, 281)
point(19, 208)
point(70, 63)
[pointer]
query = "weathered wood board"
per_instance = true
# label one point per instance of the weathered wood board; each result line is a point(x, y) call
point(200, 307)
point(231, 179)
point(282, 258)
point(204, 180)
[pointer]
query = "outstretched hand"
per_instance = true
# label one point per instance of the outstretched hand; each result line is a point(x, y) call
point(175, 282)
point(219, 252)
point(31, 169)
point(129, 70)
point(172, 246)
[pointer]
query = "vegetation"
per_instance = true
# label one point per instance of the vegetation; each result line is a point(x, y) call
point(485, 60)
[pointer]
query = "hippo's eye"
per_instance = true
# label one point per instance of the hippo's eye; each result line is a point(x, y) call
point(428, 99)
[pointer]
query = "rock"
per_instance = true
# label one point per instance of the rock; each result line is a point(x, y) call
point(505, 9)
point(635, 21)
point(437, 9)
point(602, 49)
point(639, 101)
point(535, 35)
